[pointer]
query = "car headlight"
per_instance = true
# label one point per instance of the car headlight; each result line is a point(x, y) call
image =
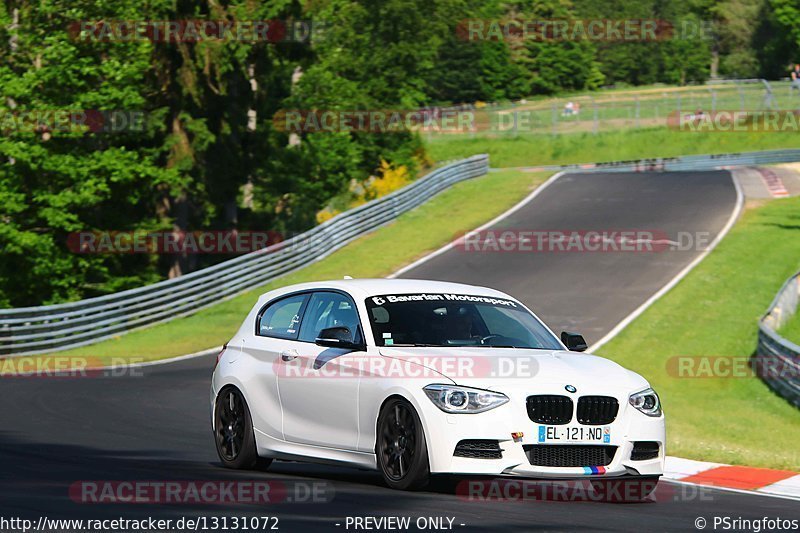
point(646, 401)
point(455, 399)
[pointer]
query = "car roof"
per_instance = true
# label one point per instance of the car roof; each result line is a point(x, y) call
point(375, 286)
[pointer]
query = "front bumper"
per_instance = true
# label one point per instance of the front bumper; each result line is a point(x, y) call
point(444, 432)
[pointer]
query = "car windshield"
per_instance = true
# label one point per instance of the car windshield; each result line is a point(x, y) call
point(455, 320)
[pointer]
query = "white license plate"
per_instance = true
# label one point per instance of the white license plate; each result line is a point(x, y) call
point(594, 434)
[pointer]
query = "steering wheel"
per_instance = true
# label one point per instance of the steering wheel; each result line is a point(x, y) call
point(489, 337)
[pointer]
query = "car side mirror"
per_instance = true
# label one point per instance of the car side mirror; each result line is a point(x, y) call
point(573, 341)
point(337, 337)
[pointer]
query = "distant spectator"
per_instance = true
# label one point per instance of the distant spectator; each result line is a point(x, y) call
point(695, 117)
point(569, 109)
point(795, 79)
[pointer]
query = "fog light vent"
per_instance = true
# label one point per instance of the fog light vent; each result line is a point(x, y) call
point(644, 450)
point(479, 449)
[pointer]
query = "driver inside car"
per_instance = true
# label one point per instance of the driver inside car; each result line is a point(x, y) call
point(458, 325)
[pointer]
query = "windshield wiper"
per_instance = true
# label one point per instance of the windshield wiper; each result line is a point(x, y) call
point(487, 346)
point(498, 346)
point(415, 345)
point(421, 345)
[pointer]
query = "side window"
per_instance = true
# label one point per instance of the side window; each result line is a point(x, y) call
point(282, 318)
point(326, 310)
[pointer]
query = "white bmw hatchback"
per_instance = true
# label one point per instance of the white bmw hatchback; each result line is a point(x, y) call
point(415, 378)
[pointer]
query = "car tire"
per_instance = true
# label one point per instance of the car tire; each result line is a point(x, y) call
point(401, 449)
point(233, 432)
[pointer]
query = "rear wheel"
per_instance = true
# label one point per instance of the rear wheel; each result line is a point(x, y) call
point(233, 431)
point(401, 448)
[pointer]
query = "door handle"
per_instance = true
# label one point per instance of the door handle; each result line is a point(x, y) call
point(288, 355)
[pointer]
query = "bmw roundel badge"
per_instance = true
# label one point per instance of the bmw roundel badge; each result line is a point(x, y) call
point(570, 388)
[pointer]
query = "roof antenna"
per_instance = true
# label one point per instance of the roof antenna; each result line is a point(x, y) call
point(348, 277)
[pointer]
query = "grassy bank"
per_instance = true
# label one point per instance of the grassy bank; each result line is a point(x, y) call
point(461, 208)
point(531, 150)
point(791, 330)
point(714, 312)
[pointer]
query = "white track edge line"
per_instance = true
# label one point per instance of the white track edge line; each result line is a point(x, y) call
point(519, 205)
point(728, 225)
point(176, 359)
point(498, 218)
point(441, 250)
point(737, 210)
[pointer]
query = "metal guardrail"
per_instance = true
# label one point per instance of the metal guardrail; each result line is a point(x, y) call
point(681, 163)
point(778, 358)
point(43, 329)
point(49, 328)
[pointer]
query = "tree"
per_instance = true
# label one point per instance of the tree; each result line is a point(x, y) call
point(372, 55)
point(57, 180)
point(787, 14)
point(735, 31)
point(553, 64)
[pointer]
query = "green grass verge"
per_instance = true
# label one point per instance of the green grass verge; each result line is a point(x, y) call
point(461, 208)
point(530, 150)
point(714, 312)
point(791, 330)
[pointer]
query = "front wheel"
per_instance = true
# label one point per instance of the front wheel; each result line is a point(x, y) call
point(401, 449)
point(233, 431)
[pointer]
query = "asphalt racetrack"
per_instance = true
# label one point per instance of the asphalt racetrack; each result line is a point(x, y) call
point(154, 424)
point(591, 292)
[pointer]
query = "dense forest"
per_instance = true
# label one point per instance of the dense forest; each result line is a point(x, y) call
point(205, 152)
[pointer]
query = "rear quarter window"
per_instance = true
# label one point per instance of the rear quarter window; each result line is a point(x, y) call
point(282, 318)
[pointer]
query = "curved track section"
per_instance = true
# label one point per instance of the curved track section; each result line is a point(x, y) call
point(590, 292)
point(153, 424)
